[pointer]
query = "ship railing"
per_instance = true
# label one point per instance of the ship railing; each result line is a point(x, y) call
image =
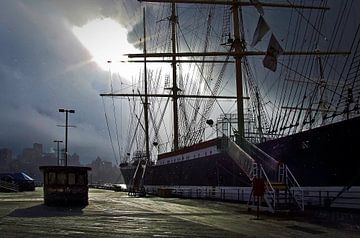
point(294, 187)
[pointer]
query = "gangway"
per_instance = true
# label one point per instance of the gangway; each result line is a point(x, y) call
point(137, 188)
point(281, 191)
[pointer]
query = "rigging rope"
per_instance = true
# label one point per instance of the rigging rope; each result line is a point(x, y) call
point(114, 115)
point(108, 128)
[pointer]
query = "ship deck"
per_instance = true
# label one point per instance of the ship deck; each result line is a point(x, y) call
point(114, 214)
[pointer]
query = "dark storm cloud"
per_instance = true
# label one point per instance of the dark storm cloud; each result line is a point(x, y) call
point(133, 35)
point(79, 12)
point(127, 12)
point(43, 67)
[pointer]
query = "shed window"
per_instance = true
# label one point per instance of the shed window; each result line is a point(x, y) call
point(52, 178)
point(61, 178)
point(80, 179)
point(71, 177)
point(46, 177)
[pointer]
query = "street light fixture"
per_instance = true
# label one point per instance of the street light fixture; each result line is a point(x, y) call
point(58, 150)
point(67, 111)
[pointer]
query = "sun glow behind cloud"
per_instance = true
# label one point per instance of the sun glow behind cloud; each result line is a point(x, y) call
point(106, 40)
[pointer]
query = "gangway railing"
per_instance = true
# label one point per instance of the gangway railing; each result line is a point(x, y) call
point(136, 187)
point(281, 189)
point(269, 164)
point(269, 195)
point(294, 187)
point(239, 156)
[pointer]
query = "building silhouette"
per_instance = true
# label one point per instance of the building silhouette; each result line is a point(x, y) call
point(32, 158)
point(5, 158)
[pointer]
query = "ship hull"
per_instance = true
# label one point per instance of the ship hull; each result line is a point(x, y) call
point(200, 165)
point(216, 170)
point(206, 171)
point(324, 156)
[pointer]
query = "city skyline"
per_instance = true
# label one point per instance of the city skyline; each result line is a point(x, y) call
point(30, 159)
point(51, 149)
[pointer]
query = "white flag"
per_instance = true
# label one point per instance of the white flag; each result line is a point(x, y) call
point(258, 6)
point(273, 51)
point(261, 29)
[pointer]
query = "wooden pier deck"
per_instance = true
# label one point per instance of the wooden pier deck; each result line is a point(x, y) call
point(114, 214)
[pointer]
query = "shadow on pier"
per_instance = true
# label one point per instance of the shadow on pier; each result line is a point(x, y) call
point(46, 211)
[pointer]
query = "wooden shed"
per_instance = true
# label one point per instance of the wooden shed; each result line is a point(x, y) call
point(65, 185)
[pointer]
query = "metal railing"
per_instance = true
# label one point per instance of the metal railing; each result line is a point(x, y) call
point(239, 156)
point(257, 164)
point(269, 164)
point(294, 187)
point(269, 191)
point(328, 197)
point(269, 195)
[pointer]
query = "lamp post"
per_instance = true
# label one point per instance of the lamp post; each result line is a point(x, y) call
point(58, 150)
point(67, 111)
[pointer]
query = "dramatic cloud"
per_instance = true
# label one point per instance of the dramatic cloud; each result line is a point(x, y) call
point(43, 67)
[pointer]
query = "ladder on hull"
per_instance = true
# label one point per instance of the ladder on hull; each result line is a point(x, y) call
point(274, 186)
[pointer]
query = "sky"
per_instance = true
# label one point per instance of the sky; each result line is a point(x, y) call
point(54, 53)
point(46, 64)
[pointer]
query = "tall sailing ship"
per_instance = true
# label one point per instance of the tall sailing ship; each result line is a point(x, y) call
point(282, 90)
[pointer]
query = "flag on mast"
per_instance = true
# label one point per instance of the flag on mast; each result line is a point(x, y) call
point(261, 29)
point(273, 51)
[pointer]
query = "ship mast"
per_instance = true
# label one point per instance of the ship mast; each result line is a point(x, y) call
point(175, 89)
point(238, 73)
point(146, 103)
point(238, 53)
